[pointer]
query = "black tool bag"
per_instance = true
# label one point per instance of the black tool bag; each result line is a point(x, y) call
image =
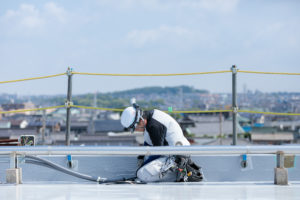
point(188, 171)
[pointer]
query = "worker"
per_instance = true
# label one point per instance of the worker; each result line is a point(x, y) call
point(160, 129)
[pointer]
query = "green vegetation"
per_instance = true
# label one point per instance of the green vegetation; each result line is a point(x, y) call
point(147, 98)
point(207, 136)
point(122, 99)
point(159, 91)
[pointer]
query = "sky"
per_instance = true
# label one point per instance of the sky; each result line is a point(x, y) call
point(40, 38)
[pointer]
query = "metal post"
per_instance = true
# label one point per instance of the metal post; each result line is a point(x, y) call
point(68, 106)
point(13, 164)
point(43, 127)
point(14, 173)
point(234, 106)
point(280, 173)
point(280, 159)
point(221, 128)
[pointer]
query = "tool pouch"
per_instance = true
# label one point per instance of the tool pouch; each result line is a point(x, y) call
point(188, 171)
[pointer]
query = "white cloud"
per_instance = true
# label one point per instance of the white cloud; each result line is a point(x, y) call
point(128, 4)
point(27, 18)
point(277, 33)
point(55, 11)
point(222, 6)
point(141, 37)
point(270, 29)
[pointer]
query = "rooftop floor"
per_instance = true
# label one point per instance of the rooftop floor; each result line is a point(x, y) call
point(204, 190)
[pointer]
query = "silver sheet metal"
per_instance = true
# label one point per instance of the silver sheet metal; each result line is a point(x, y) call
point(183, 150)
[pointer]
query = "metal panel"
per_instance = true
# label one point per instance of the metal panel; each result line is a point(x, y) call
point(215, 168)
point(166, 150)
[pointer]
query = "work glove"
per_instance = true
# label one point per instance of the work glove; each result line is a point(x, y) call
point(140, 161)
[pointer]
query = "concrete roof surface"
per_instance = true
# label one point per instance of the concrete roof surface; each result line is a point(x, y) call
point(204, 190)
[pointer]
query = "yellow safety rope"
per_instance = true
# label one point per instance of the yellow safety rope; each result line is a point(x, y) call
point(174, 74)
point(27, 110)
point(178, 74)
point(178, 111)
point(198, 111)
point(190, 111)
point(268, 113)
point(120, 110)
point(96, 108)
point(276, 73)
point(34, 78)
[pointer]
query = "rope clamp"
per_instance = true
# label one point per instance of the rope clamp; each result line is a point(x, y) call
point(235, 109)
point(234, 69)
point(69, 71)
point(68, 104)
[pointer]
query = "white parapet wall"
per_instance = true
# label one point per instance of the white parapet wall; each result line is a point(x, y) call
point(219, 163)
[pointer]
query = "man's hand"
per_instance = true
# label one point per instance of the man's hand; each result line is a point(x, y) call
point(140, 161)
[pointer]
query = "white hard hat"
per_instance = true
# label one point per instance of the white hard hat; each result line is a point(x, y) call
point(130, 116)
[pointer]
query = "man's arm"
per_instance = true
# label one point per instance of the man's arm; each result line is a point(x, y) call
point(157, 132)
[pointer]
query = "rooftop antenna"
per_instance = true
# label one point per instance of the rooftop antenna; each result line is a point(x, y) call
point(94, 114)
point(180, 98)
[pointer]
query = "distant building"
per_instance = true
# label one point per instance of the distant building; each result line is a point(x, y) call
point(1, 113)
point(13, 106)
point(77, 127)
point(269, 135)
point(18, 106)
point(272, 138)
point(108, 125)
point(5, 124)
point(106, 122)
point(212, 126)
point(287, 125)
point(50, 125)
